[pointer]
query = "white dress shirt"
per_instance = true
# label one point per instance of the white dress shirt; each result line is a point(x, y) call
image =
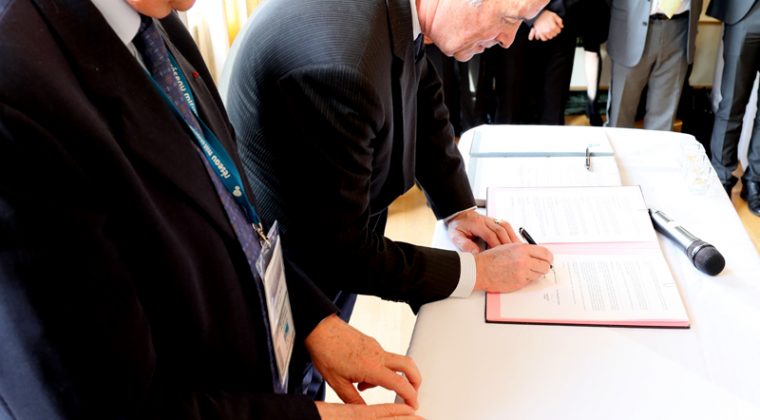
point(655, 7)
point(123, 19)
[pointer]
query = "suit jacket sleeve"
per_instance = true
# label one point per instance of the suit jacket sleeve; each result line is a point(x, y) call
point(339, 117)
point(558, 6)
point(440, 169)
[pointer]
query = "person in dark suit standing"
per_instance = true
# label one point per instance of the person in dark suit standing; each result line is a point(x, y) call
point(338, 112)
point(741, 55)
point(550, 55)
point(337, 120)
point(651, 44)
point(549, 64)
point(128, 286)
point(500, 91)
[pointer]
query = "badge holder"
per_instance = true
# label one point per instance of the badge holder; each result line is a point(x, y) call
point(271, 268)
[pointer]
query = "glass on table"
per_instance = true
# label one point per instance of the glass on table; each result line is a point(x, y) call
point(696, 168)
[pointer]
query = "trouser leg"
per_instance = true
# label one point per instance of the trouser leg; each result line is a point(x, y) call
point(752, 172)
point(626, 85)
point(556, 86)
point(509, 81)
point(668, 72)
point(740, 55)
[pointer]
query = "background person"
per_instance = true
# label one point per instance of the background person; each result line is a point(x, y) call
point(650, 43)
point(741, 52)
point(343, 93)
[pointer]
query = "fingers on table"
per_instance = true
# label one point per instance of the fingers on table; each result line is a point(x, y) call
point(389, 379)
point(346, 391)
point(406, 366)
point(390, 411)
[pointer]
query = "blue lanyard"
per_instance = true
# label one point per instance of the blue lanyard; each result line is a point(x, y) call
point(213, 150)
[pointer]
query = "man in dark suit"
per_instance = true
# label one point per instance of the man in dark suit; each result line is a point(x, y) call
point(550, 55)
point(741, 55)
point(127, 288)
point(339, 112)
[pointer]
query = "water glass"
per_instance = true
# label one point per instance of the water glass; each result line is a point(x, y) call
point(696, 167)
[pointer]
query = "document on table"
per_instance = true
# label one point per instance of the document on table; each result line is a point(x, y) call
point(489, 141)
point(575, 214)
point(567, 171)
point(608, 266)
point(525, 160)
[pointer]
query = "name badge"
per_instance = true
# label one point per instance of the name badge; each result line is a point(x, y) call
point(271, 268)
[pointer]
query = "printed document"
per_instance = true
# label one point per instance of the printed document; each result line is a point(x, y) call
point(608, 267)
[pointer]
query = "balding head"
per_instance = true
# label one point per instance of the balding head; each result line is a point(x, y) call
point(463, 28)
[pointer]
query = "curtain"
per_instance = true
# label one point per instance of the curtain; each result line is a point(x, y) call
point(214, 24)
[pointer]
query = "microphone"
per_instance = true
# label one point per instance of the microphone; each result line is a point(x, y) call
point(703, 255)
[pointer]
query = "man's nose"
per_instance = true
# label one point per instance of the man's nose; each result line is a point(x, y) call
point(505, 39)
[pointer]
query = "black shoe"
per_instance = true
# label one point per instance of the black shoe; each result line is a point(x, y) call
point(729, 185)
point(751, 193)
point(592, 113)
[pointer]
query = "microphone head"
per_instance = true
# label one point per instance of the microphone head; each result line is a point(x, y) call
point(706, 258)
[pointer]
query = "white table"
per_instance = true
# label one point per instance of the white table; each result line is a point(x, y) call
point(474, 370)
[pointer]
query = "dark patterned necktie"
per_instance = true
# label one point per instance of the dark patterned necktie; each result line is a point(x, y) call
point(156, 59)
point(155, 56)
point(419, 47)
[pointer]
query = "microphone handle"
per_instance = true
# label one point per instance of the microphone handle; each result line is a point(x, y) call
point(672, 230)
point(703, 255)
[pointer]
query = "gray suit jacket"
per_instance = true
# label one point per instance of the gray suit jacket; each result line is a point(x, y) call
point(729, 11)
point(336, 118)
point(629, 22)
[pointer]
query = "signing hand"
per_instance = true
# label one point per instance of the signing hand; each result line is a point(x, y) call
point(468, 226)
point(509, 267)
point(547, 26)
point(382, 411)
point(345, 356)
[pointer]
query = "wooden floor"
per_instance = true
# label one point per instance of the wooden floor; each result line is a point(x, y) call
point(750, 221)
point(411, 220)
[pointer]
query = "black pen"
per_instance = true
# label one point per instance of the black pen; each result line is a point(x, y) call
point(524, 233)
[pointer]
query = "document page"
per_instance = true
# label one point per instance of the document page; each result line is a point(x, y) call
point(574, 214)
point(567, 171)
point(623, 288)
point(608, 266)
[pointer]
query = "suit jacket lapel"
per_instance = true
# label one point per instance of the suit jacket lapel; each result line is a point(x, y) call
point(142, 124)
point(210, 113)
point(401, 27)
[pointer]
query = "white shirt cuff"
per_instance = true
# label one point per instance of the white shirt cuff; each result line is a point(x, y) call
point(466, 276)
point(448, 219)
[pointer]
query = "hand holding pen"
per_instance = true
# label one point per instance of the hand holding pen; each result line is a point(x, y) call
point(511, 266)
point(529, 239)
